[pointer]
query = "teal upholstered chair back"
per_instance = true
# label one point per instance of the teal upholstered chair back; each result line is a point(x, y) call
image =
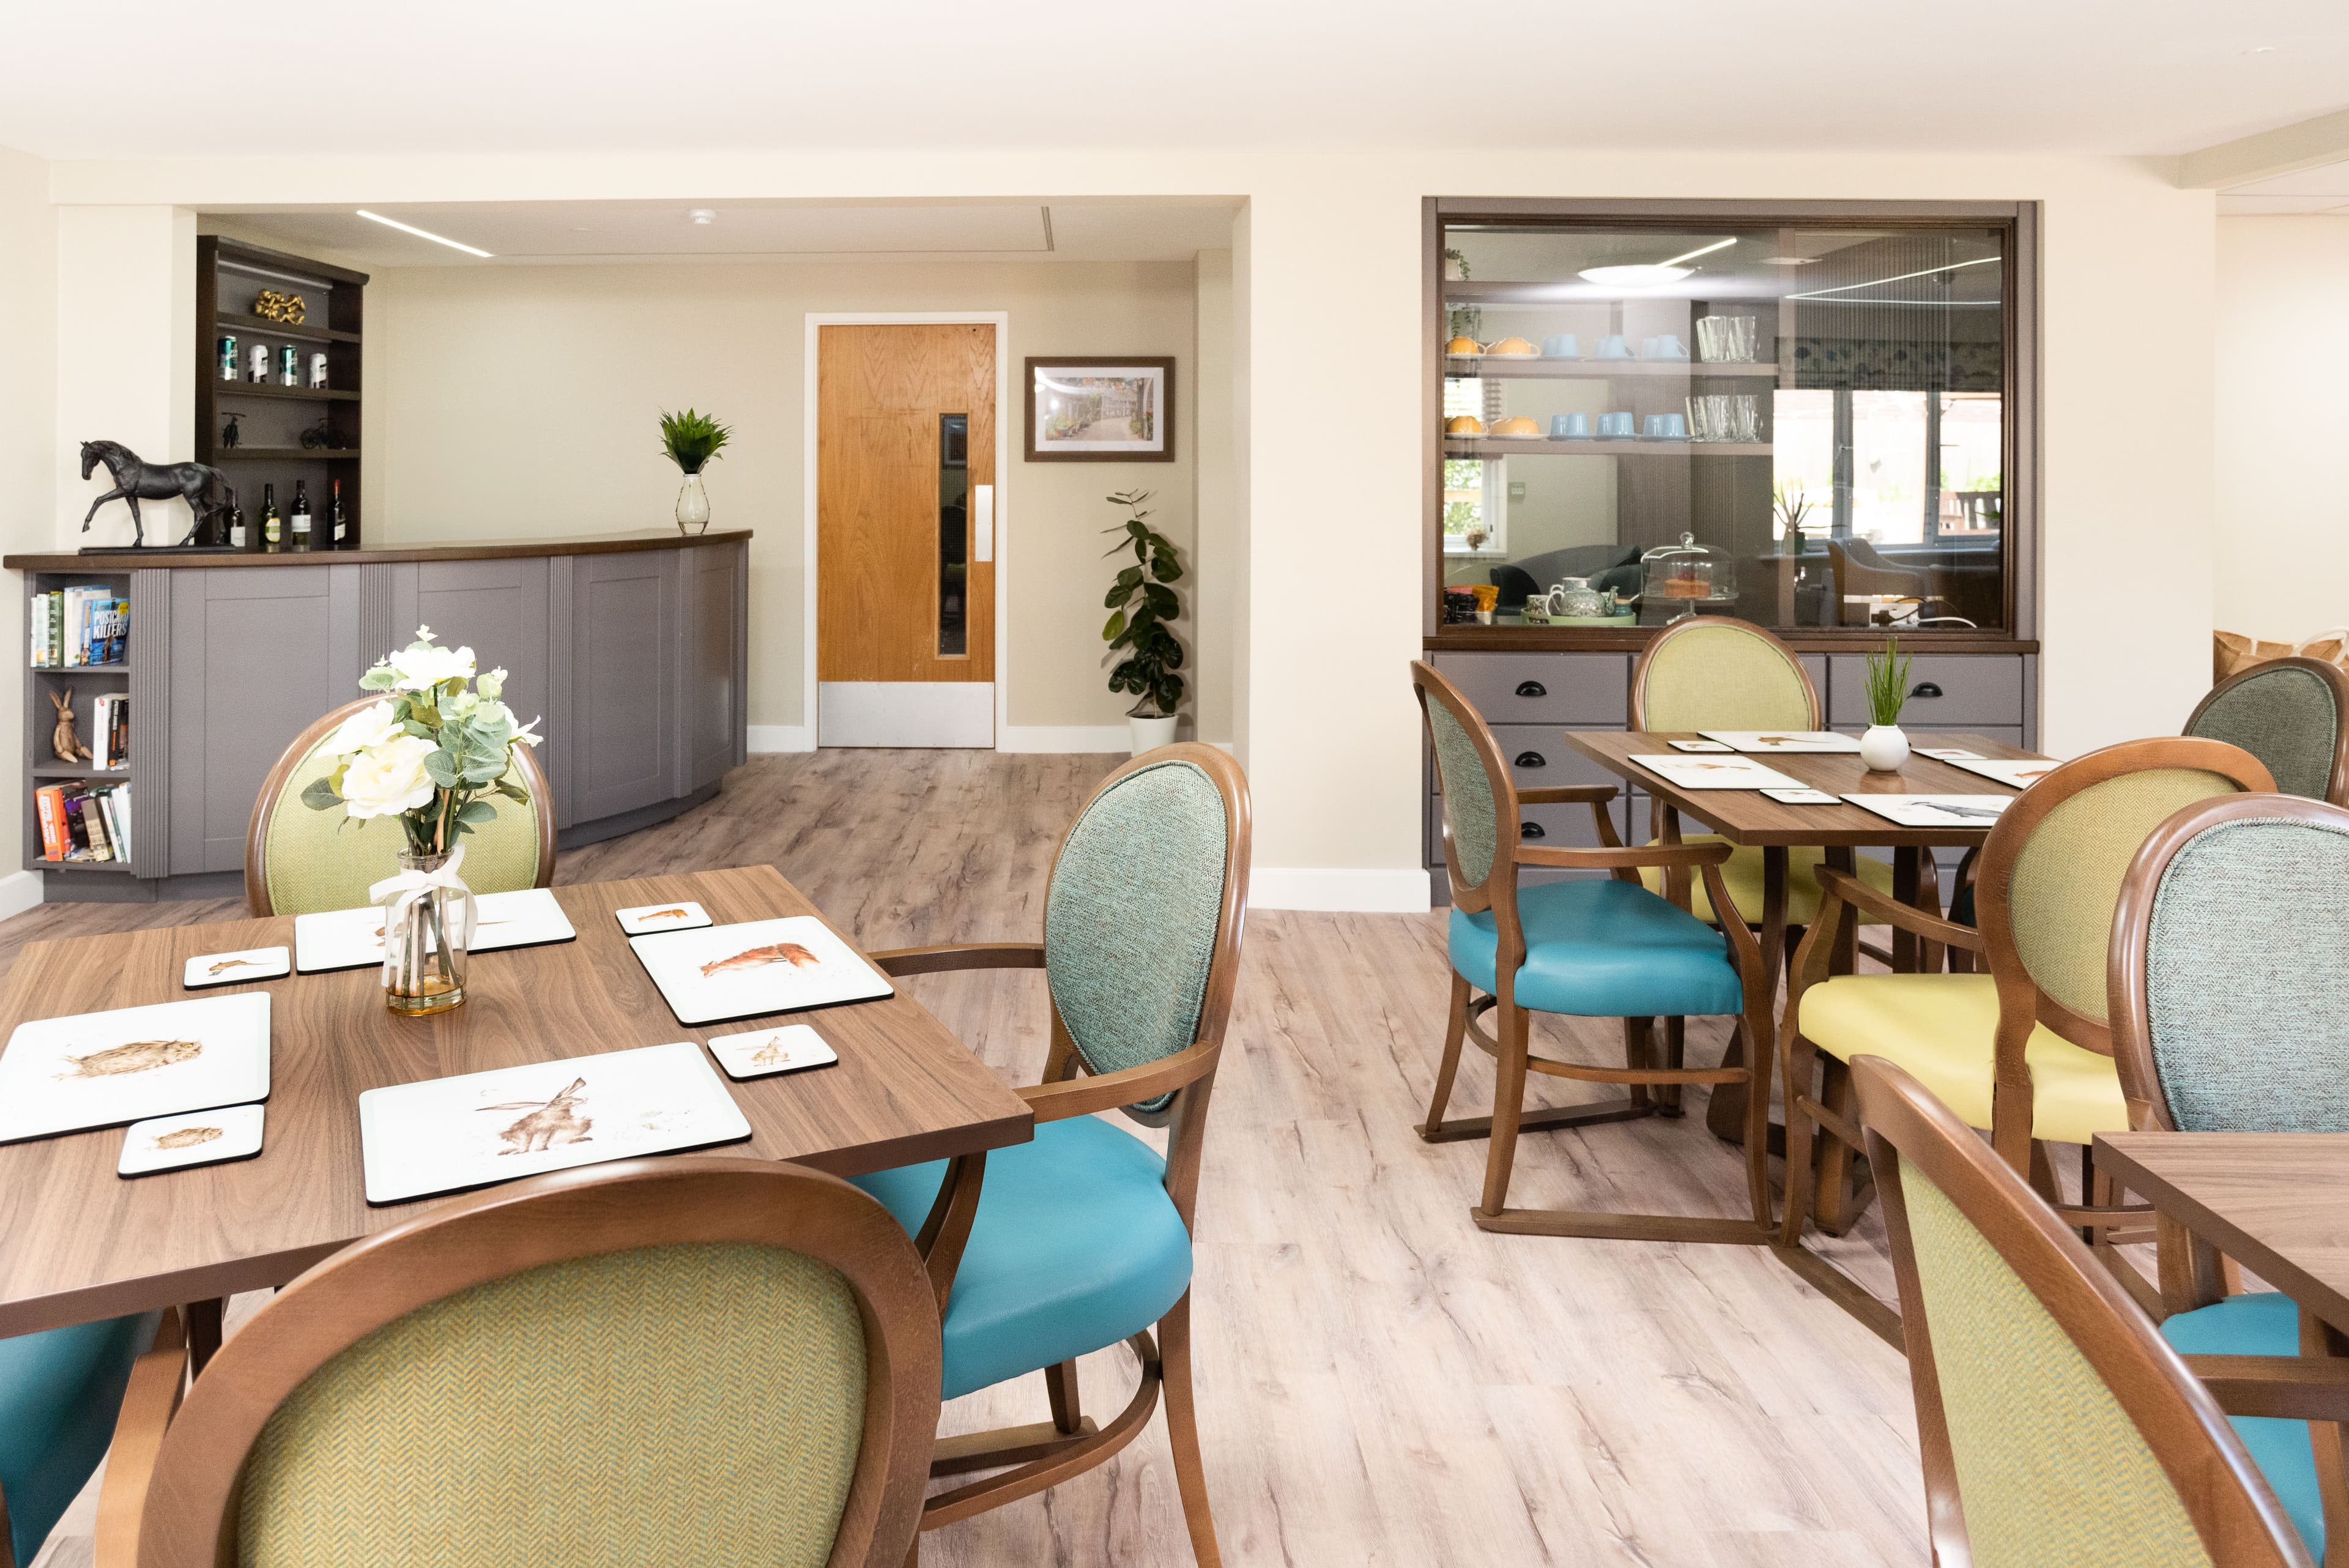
point(1479, 801)
point(2231, 969)
point(1134, 914)
point(731, 1395)
point(2055, 1426)
point(1715, 673)
point(299, 861)
point(60, 1392)
point(2291, 713)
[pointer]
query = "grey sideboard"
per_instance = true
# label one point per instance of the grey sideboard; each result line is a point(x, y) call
point(1530, 698)
point(632, 648)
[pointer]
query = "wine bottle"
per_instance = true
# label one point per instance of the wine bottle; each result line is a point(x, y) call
point(335, 512)
point(271, 523)
point(300, 517)
point(237, 528)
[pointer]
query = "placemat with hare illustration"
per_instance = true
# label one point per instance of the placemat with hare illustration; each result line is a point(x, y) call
point(104, 1069)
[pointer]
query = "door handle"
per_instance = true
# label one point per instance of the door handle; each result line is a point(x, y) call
point(1532, 759)
point(1531, 830)
point(1925, 689)
point(1532, 688)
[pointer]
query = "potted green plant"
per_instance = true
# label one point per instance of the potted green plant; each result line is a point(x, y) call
point(1141, 608)
point(1885, 681)
point(690, 441)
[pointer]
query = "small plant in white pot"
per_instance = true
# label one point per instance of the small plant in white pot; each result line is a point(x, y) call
point(1884, 748)
point(1141, 608)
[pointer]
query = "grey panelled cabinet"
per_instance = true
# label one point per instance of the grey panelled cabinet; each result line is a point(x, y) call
point(632, 651)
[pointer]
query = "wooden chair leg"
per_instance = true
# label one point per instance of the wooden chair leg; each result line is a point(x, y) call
point(1837, 1206)
point(1508, 1105)
point(1639, 1044)
point(1455, 1030)
point(1061, 1387)
point(1757, 1127)
point(1800, 1070)
point(1183, 1432)
point(1675, 1056)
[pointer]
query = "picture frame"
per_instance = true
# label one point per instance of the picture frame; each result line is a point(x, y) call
point(1074, 400)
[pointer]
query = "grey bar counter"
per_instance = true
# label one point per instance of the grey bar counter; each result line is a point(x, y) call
point(633, 648)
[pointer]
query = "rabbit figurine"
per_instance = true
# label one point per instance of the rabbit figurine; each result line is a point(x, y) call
point(63, 739)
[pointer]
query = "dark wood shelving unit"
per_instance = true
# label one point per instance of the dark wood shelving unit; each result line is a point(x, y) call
point(271, 417)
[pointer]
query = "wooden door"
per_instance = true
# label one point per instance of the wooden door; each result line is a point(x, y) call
point(904, 564)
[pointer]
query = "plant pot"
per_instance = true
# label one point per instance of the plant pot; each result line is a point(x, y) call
point(1884, 748)
point(424, 940)
point(1150, 730)
point(692, 506)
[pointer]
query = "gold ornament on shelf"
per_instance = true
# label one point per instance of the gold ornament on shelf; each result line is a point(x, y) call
point(271, 305)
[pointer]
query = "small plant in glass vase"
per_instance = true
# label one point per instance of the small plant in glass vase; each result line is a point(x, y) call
point(430, 754)
point(1141, 606)
point(692, 441)
point(1885, 682)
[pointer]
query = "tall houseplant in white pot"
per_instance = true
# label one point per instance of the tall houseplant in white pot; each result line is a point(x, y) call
point(1141, 608)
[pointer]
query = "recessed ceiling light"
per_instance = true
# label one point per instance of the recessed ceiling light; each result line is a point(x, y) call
point(423, 234)
point(703, 216)
point(1652, 274)
point(2260, 49)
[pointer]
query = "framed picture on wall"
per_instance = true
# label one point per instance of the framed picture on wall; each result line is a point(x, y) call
point(1101, 409)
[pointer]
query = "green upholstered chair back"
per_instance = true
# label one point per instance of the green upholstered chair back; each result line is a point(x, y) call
point(2055, 1425)
point(2064, 878)
point(1133, 913)
point(311, 860)
point(677, 1404)
point(2246, 973)
point(2288, 713)
point(1719, 674)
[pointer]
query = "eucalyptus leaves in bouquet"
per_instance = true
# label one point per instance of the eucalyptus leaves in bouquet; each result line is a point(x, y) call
point(432, 753)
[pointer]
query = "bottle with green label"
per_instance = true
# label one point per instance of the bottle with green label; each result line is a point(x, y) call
point(271, 525)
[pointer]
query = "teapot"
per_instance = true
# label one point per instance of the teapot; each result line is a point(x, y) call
point(1576, 598)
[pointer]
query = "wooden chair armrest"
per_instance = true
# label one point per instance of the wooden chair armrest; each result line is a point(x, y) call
point(1126, 1086)
point(1883, 907)
point(2294, 1387)
point(1667, 855)
point(960, 956)
point(1567, 794)
point(148, 1403)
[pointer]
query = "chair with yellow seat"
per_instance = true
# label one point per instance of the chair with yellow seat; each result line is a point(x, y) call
point(2053, 1425)
point(299, 861)
point(2023, 1051)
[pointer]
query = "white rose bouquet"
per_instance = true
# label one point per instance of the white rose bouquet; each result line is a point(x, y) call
point(430, 752)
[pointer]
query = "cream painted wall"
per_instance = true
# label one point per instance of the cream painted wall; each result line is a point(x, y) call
point(1217, 557)
point(524, 400)
point(29, 436)
point(1327, 311)
point(2282, 512)
point(126, 303)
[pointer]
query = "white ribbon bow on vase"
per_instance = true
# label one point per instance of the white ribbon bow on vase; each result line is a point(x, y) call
point(400, 893)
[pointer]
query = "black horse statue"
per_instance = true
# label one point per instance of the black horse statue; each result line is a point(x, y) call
point(206, 489)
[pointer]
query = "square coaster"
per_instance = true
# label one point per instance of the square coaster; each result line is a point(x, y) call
point(237, 968)
point(762, 1052)
point(647, 918)
point(1802, 796)
point(201, 1137)
point(1949, 754)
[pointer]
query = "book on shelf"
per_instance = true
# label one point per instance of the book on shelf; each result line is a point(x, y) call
point(109, 732)
point(79, 626)
point(79, 821)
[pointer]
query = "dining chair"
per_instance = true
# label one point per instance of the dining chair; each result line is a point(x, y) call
point(2228, 985)
point(1596, 946)
point(60, 1392)
point(1081, 1239)
point(299, 861)
point(2023, 1051)
point(2054, 1424)
point(2291, 713)
point(651, 1361)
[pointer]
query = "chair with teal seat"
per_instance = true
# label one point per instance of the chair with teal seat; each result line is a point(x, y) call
point(60, 1392)
point(1051, 1250)
point(2291, 713)
point(2054, 1424)
point(679, 1361)
point(2230, 998)
point(299, 861)
point(1604, 947)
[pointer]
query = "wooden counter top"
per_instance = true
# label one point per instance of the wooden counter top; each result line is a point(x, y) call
point(466, 550)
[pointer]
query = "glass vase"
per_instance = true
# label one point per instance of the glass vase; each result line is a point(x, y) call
point(692, 506)
point(424, 944)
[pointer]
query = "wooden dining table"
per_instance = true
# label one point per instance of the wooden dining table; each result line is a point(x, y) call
point(79, 1242)
point(1749, 819)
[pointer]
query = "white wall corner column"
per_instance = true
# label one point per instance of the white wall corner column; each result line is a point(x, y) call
point(126, 321)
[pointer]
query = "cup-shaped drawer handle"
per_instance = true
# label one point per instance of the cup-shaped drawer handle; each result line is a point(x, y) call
point(1532, 759)
point(1532, 688)
point(1925, 689)
point(1532, 830)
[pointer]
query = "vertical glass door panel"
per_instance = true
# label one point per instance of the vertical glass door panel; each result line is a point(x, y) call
point(954, 535)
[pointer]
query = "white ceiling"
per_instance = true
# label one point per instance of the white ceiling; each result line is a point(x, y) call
point(587, 232)
point(164, 79)
point(2325, 189)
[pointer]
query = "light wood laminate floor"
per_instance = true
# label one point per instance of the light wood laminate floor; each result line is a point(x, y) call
point(1380, 1382)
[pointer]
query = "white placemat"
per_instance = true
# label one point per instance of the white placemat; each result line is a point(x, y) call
point(756, 968)
point(1935, 810)
point(1761, 741)
point(103, 1069)
point(1716, 773)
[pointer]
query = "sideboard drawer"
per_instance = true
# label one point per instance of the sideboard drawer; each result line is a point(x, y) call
point(1589, 691)
point(1976, 690)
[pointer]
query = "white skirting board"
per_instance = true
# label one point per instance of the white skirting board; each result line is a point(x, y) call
point(1115, 738)
point(1338, 889)
point(19, 891)
point(767, 738)
point(957, 714)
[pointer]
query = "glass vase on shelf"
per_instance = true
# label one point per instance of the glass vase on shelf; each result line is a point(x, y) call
point(427, 927)
point(693, 505)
